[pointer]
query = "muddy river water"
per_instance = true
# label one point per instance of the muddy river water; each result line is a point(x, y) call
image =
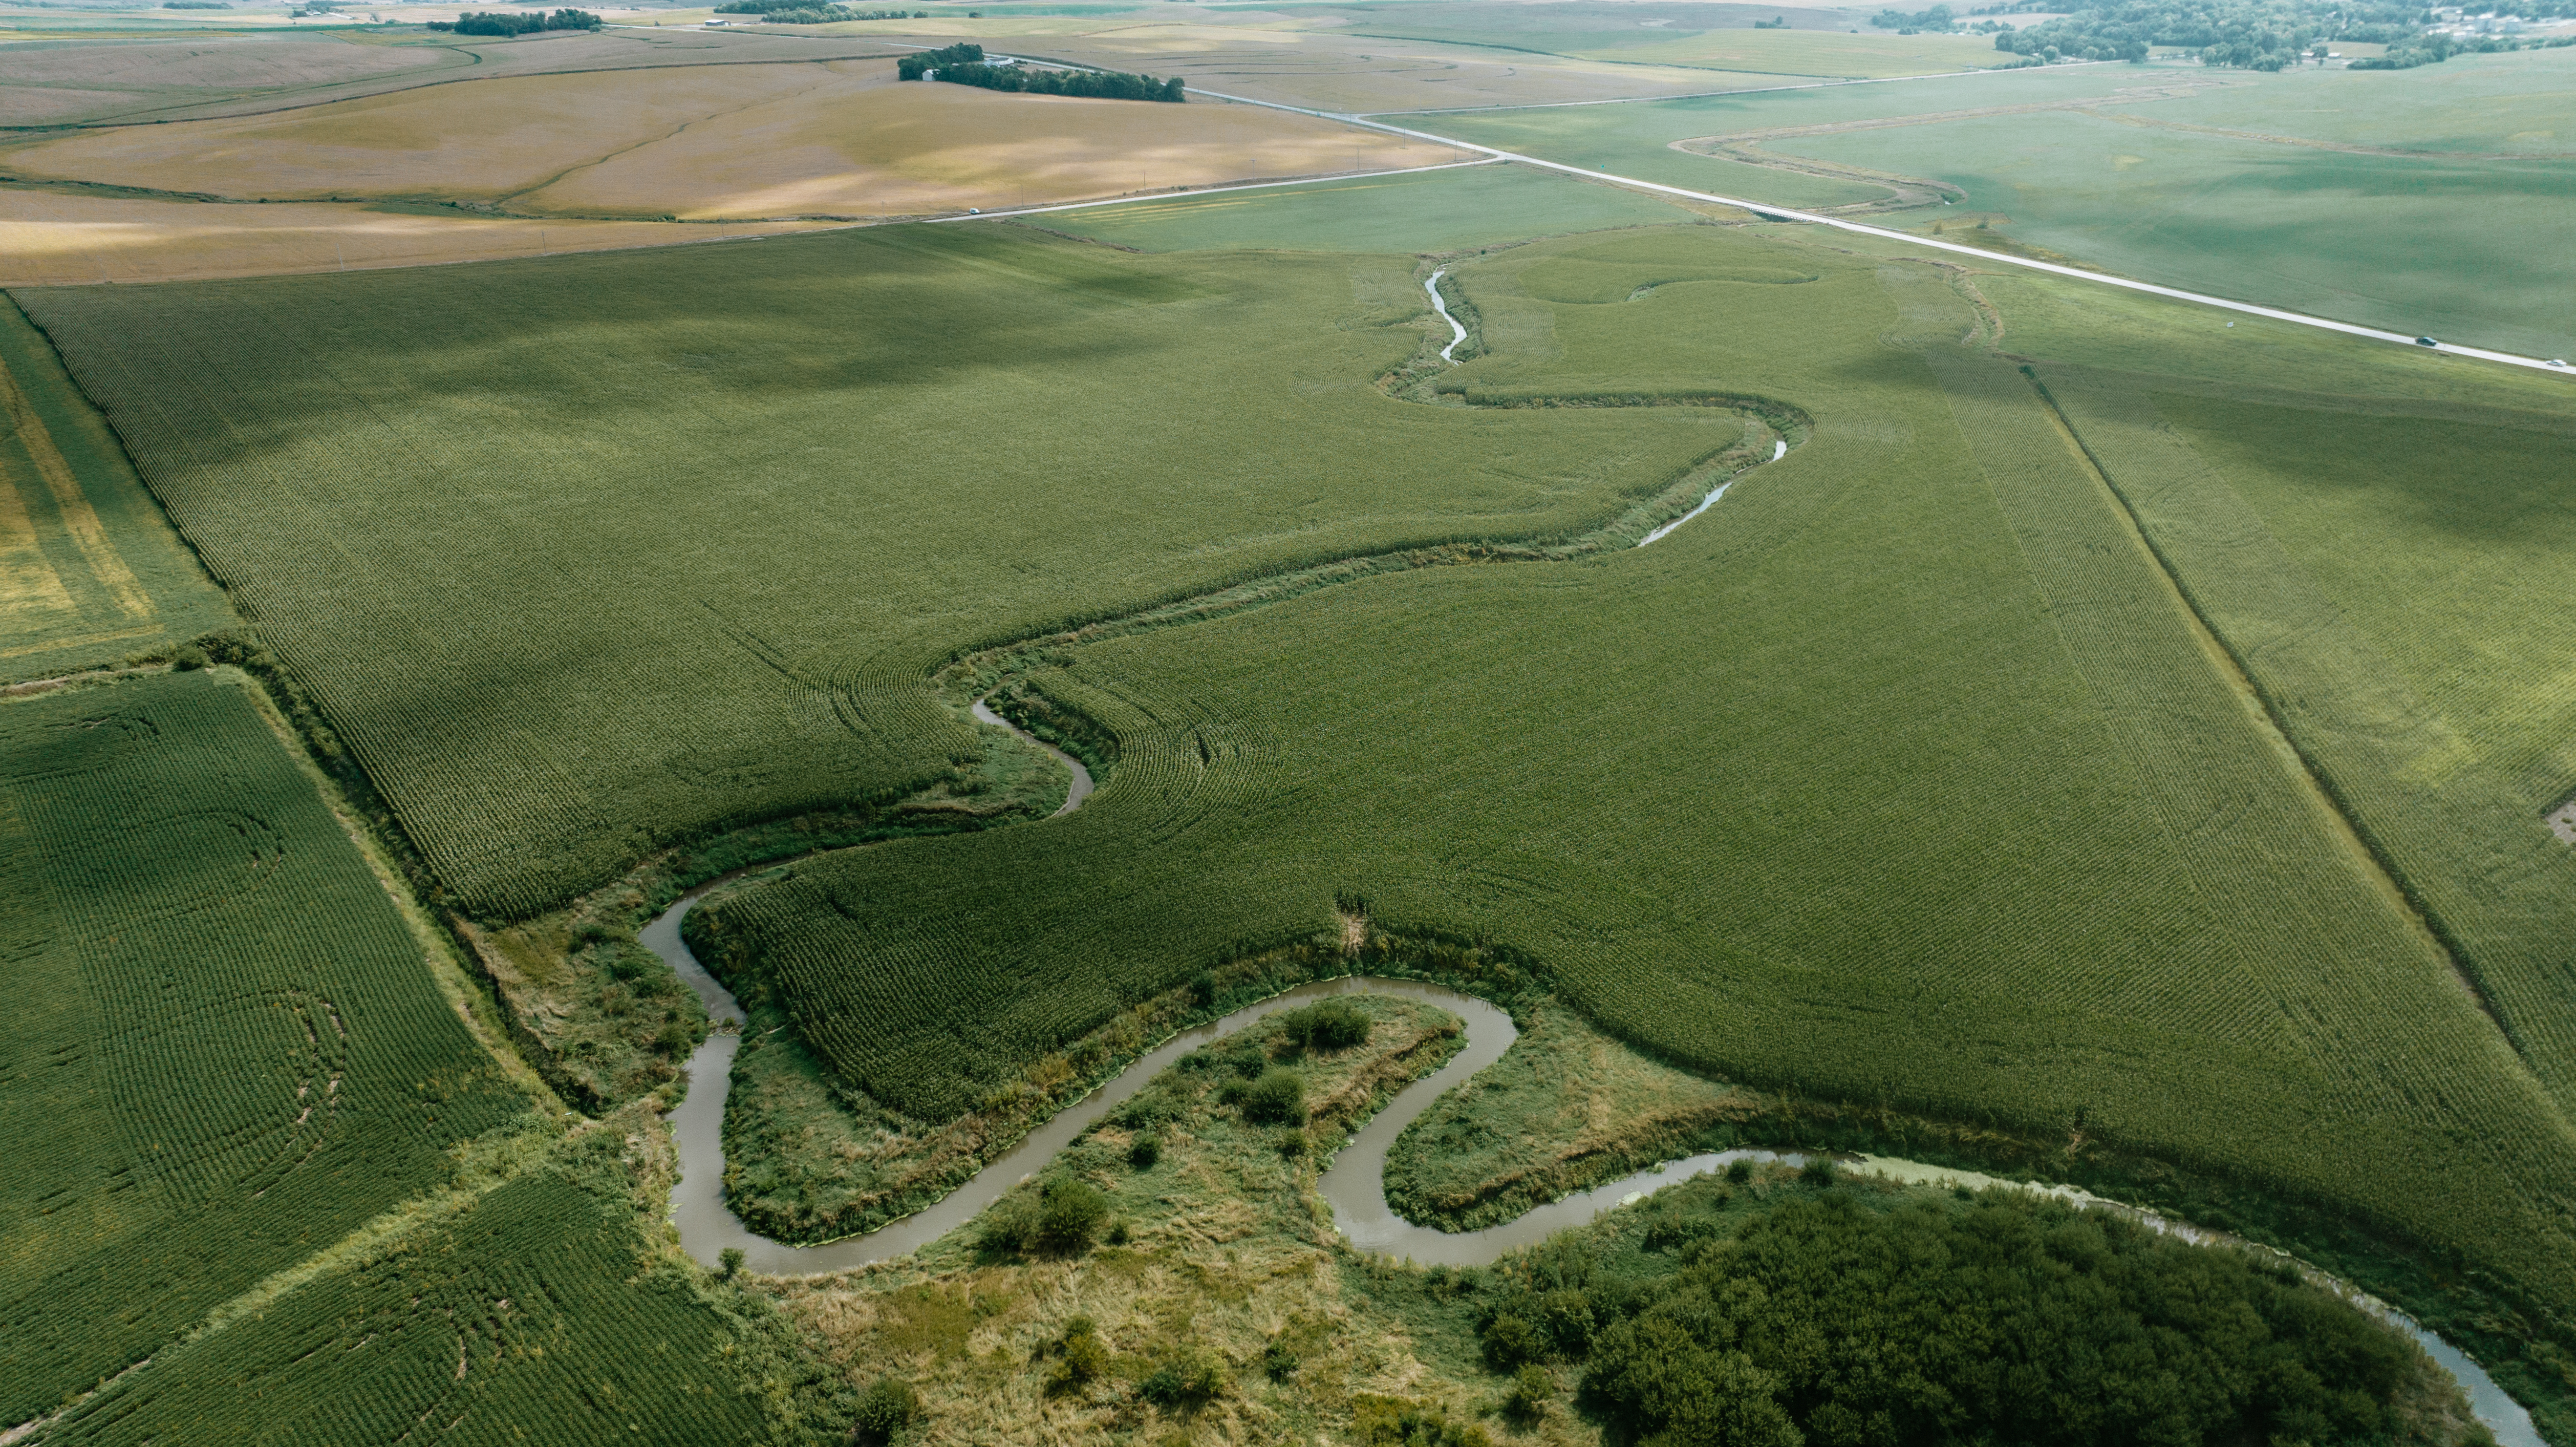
point(1354, 1185)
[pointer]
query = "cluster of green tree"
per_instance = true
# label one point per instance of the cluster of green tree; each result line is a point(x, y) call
point(1101, 84)
point(1999, 1318)
point(495, 22)
point(2428, 49)
point(196, 4)
point(1937, 18)
point(965, 52)
point(2251, 34)
point(805, 12)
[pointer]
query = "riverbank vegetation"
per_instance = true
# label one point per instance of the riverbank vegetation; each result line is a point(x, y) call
point(1565, 1109)
point(1196, 1290)
point(1203, 1293)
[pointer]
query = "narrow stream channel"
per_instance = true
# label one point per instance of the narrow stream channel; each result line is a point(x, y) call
point(1354, 1185)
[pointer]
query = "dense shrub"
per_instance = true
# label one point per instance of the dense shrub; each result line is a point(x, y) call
point(1533, 1387)
point(1143, 1152)
point(1080, 1358)
point(1395, 1422)
point(885, 1409)
point(1277, 1098)
point(1063, 1219)
point(1191, 1379)
point(1326, 1025)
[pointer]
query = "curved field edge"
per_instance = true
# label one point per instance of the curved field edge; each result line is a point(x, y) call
point(838, 688)
point(1195, 748)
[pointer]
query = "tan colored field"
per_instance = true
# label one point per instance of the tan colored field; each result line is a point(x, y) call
point(837, 139)
point(894, 149)
point(107, 77)
point(48, 237)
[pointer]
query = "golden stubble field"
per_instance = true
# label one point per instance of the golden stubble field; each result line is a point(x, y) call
point(838, 139)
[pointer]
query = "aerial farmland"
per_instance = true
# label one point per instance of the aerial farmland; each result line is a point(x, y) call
point(1372, 723)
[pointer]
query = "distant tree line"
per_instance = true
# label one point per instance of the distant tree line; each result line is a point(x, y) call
point(806, 12)
point(195, 5)
point(963, 53)
point(1103, 84)
point(497, 22)
point(2251, 34)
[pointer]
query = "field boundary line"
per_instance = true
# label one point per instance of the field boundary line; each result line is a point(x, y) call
point(453, 977)
point(2387, 878)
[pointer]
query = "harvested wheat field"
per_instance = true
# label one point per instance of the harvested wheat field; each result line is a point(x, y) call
point(839, 138)
point(48, 238)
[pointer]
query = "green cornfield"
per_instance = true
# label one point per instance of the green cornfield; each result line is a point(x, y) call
point(585, 557)
point(1904, 777)
point(226, 1051)
point(525, 1319)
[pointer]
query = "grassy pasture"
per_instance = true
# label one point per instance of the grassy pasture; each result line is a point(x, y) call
point(89, 569)
point(652, 657)
point(1903, 777)
point(837, 138)
point(1432, 211)
point(227, 1051)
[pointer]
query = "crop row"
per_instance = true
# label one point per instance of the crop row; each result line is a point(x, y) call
point(575, 573)
point(2409, 663)
point(517, 1321)
point(234, 1053)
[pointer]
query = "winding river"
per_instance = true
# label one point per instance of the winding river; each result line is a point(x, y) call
point(1354, 1185)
